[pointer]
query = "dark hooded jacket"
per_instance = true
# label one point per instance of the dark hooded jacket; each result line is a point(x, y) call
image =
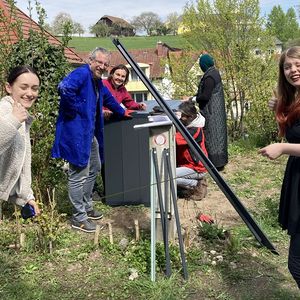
point(210, 98)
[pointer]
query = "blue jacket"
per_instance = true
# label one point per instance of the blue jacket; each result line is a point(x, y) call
point(80, 116)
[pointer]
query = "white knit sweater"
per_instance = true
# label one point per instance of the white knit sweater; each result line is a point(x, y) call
point(15, 156)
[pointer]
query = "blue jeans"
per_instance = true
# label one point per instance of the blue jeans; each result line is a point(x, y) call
point(81, 182)
point(187, 178)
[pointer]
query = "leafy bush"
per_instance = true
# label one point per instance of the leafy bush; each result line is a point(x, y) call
point(51, 65)
point(211, 232)
point(49, 225)
point(7, 235)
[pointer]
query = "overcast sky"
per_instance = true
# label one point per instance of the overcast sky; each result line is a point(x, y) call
point(88, 12)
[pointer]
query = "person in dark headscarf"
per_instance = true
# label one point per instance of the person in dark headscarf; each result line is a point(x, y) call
point(210, 97)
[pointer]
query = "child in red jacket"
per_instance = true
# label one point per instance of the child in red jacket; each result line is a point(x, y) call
point(190, 171)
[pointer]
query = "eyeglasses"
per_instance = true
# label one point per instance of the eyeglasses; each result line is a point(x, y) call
point(101, 63)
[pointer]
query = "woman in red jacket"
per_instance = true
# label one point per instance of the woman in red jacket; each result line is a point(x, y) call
point(116, 81)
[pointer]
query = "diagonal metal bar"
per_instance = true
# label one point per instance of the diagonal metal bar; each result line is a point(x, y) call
point(236, 203)
point(166, 216)
point(164, 222)
point(176, 213)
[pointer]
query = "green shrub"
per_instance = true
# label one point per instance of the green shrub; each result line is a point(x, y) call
point(211, 232)
point(51, 65)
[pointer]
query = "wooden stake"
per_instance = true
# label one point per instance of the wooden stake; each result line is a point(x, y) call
point(111, 240)
point(137, 229)
point(18, 227)
point(22, 240)
point(1, 210)
point(51, 247)
point(186, 238)
point(97, 233)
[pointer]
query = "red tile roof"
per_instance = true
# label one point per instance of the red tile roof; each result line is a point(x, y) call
point(28, 24)
point(150, 56)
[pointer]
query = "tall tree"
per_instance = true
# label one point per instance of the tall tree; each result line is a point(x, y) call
point(100, 30)
point(146, 21)
point(78, 28)
point(283, 26)
point(159, 28)
point(60, 21)
point(232, 31)
point(292, 26)
point(181, 75)
point(172, 22)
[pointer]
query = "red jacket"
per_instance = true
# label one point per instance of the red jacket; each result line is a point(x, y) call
point(121, 95)
point(184, 156)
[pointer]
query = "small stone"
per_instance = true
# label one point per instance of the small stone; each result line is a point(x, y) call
point(219, 258)
point(133, 274)
point(213, 252)
point(233, 265)
point(214, 263)
point(123, 244)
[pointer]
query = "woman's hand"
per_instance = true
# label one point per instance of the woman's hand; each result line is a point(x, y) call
point(143, 106)
point(19, 112)
point(35, 206)
point(272, 151)
point(274, 100)
point(186, 98)
point(273, 103)
point(107, 114)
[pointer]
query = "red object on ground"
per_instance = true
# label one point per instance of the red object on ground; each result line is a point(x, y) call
point(205, 218)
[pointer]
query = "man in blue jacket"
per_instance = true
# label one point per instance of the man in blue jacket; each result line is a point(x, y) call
point(79, 133)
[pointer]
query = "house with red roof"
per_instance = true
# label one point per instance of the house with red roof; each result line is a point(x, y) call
point(15, 15)
point(152, 61)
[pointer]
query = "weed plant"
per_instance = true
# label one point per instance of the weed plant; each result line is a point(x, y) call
point(138, 255)
point(211, 232)
point(269, 212)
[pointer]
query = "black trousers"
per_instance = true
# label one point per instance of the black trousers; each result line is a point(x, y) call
point(294, 257)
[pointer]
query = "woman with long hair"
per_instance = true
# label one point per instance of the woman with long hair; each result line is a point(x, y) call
point(287, 112)
point(22, 89)
point(116, 81)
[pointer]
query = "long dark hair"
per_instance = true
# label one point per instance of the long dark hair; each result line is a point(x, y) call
point(119, 67)
point(19, 70)
point(288, 109)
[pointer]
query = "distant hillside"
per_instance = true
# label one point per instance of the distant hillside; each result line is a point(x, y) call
point(140, 42)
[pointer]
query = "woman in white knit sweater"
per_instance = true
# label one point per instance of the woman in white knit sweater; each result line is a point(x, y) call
point(22, 87)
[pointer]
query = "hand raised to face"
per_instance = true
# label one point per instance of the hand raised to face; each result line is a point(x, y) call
point(19, 112)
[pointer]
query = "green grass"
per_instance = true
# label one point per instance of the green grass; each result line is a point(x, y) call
point(78, 269)
point(136, 42)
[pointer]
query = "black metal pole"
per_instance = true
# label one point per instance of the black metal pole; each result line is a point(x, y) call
point(236, 203)
point(162, 214)
point(166, 214)
point(176, 213)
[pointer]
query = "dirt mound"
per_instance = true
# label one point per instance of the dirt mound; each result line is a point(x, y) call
point(215, 204)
